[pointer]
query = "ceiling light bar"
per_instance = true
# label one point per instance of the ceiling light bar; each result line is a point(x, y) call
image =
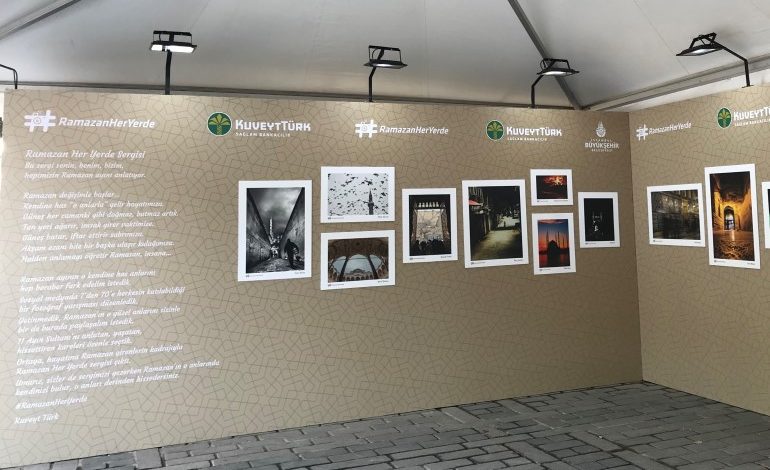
point(377, 60)
point(706, 44)
point(170, 42)
point(551, 68)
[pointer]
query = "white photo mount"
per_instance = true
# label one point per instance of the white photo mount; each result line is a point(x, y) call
point(305, 190)
point(360, 278)
point(406, 214)
point(550, 200)
point(699, 242)
point(356, 191)
point(557, 220)
point(766, 209)
point(584, 243)
point(469, 261)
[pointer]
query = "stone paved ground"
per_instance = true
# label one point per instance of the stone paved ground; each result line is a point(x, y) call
point(623, 427)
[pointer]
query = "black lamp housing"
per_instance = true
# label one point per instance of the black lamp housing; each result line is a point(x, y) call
point(552, 68)
point(170, 42)
point(376, 60)
point(706, 44)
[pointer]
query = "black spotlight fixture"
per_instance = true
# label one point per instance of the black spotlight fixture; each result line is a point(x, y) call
point(377, 60)
point(553, 68)
point(170, 42)
point(15, 76)
point(706, 44)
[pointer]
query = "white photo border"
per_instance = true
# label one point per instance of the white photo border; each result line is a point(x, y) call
point(766, 210)
point(330, 236)
point(522, 216)
point(328, 170)
point(535, 248)
point(582, 196)
point(708, 171)
point(243, 187)
point(533, 173)
point(405, 215)
point(673, 241)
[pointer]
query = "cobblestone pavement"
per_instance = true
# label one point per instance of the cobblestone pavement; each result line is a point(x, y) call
point(628, 426)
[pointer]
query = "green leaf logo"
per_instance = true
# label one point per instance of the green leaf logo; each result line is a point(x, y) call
point(724, 118)
point(219, 124)
point(495, 130)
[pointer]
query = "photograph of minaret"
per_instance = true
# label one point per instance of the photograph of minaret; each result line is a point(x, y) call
point(553, 243)
point(357, 194)
point(274, 230)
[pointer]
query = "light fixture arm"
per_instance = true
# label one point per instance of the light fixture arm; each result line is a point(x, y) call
point(15, 76)
point(532, 95)
point(374, 69)
point(168, 72)
point(745, 61)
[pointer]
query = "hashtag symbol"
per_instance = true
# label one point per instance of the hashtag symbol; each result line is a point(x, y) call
point(641, 132)
point(368, 128)
point(37, 120)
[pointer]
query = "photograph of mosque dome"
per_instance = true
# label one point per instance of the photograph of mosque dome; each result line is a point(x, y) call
point(357, 259)
point(732, 216)
point(553, 243)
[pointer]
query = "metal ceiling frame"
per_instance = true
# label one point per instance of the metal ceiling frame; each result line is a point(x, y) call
point(524, 20)
point(37, 15)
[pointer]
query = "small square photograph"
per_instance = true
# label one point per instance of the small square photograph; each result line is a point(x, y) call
point(599, 220)
point(274, 224)
point(358, 259)
point(429, 225)
point(553, 243)
point(675, 215)
point(495, 229)
point(551, 187)
point(357, 194)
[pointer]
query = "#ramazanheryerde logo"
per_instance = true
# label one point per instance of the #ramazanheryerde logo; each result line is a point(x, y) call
point(495, 130)
point(219, 123)
point(724, 118)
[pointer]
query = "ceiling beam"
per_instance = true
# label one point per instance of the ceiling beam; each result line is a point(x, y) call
point(542, 50)
point(682, 84)
point(37, 15)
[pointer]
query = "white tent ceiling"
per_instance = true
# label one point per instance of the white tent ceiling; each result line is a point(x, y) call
point(472, 51)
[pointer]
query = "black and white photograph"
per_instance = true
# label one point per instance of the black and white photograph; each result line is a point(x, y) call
point(551, 187)
point(274, 223)
point(553, 243)
point(358, 259)
point(599, 220)
point(429, 224)
point(357, 194)
point(675, 215)
point(732, 216)
point(495, 228)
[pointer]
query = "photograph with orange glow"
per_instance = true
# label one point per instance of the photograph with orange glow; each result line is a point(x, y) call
point(551, 187)
point(553, 243)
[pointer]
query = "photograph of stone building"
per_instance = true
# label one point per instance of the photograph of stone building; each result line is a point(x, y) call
point(357, 259)
point(274, 230)
point(675, 215)
point(430, 225)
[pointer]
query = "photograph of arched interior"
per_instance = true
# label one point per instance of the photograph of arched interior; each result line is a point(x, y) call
point(357, 259)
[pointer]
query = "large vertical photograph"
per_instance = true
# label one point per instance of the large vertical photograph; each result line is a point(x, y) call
point(551, 187)
point(429, 224)
point(732, 216)
point(553, 243)
point(357, 194)
point(358, 259)
point(495, 228)
point(675, 215)
point(766, 210)
point(274, 223)
point(599, 220)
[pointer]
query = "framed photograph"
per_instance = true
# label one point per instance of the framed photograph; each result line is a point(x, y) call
point(495, 228)
point(553, 243)
point(274, 223)
point(429, 224)
point(675, 215)
point(358, 194)
point(732, 216)
point(766, 209)
point(551, 187)
point(599, 220)
point(358, 259)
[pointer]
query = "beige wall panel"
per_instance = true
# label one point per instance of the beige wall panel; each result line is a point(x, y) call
point(290, 353)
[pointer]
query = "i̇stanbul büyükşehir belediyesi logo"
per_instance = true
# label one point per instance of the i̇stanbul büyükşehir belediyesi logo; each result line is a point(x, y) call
point(724, 118)
point(219, 123)
point(495, 130)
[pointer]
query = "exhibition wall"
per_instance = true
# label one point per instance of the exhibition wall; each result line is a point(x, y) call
point(705, 324)
point(146, 296)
